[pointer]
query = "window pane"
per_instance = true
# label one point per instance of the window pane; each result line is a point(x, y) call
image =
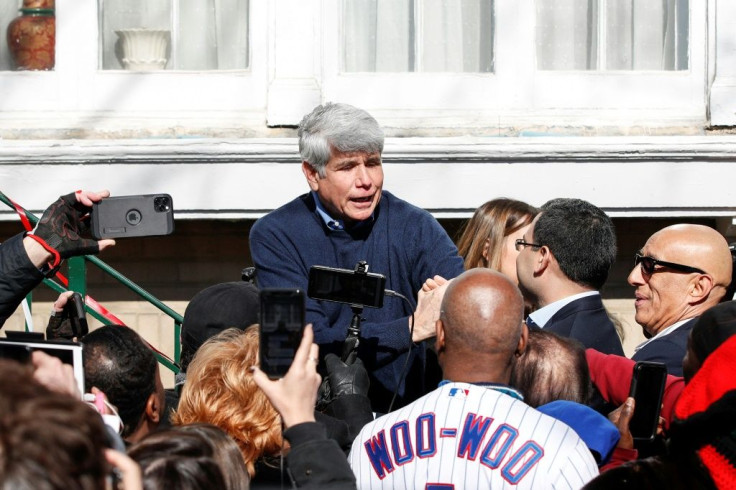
point(417, 35)
point(612, 34)
point(194, 35)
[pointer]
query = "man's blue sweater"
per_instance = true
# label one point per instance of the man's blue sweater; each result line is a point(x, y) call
point(403, 242)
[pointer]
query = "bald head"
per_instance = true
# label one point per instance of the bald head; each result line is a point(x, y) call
point(697, 246)
point(482, 312)
point(669, 294)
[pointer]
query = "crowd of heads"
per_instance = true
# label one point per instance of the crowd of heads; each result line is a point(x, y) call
point(226, 429)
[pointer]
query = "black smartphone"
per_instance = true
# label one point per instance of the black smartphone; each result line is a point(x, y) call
point(68, 352)
point(346, 286)
point(74, 310)
point(281, 329)
point(647, 388)
point(133, 216)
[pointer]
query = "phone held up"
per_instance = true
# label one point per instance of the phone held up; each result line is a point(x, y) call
point(281, 329)
point(74, 309)
point(647, 389)
point(133, 216)
point(346, 286)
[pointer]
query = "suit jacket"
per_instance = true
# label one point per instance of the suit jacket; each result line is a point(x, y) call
point(669, 349)
point(587, 321)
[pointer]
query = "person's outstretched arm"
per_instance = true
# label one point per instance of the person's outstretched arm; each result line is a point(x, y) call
point(62, 232)
point(314, 460)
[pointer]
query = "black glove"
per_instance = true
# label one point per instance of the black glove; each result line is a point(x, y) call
point(346, 379)
point(62, 230)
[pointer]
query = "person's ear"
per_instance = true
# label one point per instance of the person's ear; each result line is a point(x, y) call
point(484, 253)
point(312, 175)
point(543, 260)
point(439, 341)
point(153, 408)
point(701, 287)
point(523, 339)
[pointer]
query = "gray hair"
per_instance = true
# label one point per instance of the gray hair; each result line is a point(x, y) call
point(340, 126)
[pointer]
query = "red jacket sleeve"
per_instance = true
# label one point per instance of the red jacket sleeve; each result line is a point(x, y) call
point(611, 374)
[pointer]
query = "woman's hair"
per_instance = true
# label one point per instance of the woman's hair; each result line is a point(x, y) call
point(158, 453)
point(492, 222)
point(551, 368)
point(220, 390)
point(225, 451)
point(177, 459)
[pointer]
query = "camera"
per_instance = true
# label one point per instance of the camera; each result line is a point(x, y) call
point(162, 204)
point(354, 287)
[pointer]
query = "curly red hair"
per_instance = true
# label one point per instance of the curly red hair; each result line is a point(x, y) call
point(220, 390)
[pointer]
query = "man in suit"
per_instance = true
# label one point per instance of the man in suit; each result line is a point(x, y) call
point(564, 259)
point(681, 271)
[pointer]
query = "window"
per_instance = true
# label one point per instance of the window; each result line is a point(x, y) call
point(417, 36)
point(612, 35)
point(553, 65)
point(175, 34)
point(214, 79)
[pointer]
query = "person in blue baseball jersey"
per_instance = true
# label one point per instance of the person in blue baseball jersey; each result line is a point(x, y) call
point(474, 430)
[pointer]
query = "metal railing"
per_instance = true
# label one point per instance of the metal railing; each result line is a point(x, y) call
point(78, 282)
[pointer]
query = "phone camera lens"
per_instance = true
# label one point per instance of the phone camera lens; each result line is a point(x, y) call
point(133, 217)
point(161, 204)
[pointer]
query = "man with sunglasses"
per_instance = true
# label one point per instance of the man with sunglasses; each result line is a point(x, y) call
point(564, 259)
point(681, 271)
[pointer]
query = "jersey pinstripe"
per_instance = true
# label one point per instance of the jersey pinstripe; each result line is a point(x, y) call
point(469, 436)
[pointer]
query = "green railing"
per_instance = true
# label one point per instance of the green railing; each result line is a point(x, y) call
point(78, 283)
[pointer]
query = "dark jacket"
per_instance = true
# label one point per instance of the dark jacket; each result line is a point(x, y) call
point(669, 349)
point(587, 321)
point(18, 276)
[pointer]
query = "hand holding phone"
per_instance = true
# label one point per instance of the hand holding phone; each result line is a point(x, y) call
point(647, 389)
point(295, 395)
point(74, 310)
point(281, 328)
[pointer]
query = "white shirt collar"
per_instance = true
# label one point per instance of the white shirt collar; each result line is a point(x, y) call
point(542, 315)
point(662, 333)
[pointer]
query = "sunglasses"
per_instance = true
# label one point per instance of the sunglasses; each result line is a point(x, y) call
point(648, 265)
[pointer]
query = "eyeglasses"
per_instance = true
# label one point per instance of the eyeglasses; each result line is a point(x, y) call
point(649, 263)
point(520, 244)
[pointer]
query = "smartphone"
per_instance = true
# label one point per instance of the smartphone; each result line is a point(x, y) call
point(68, 352)
point(647, 388)
point(281, 329)
point(74, 310)
point(346, 286)
point(133, 216)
